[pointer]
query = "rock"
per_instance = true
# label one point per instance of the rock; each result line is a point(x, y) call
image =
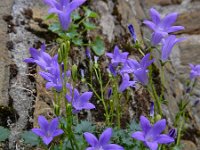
point(5, 57)
point(150, 3)
point(190, 20)
point(186, 145)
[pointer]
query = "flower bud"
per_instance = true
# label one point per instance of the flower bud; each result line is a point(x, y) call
point(74, 72)
point(173, 133)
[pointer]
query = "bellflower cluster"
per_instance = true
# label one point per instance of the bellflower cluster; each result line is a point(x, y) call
point(162, 27)
point(47, 130)
point(139, 69)
point(49, 65)
point(63, 9)
point(103, 142)
point(195, 71)
point(151, 135)
point(79, 101)
point(41, 58)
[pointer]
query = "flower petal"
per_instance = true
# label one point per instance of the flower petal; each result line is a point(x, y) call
point(57, 132)
point(65, 20)
point(157, 37)
point(47, 140)
point(105, 137)
point(75, 4)
point(152, 145)
point(145, 124)
point(43, 123)
point(138, 135)
point(150, 24)
point(38, 132)
point(155, 16)
point(91, 139)
point(86, 96)
point(53, 125)
point(164, 139)
point(158, 127)
point(175, 28)
point(168, 20)
point(113, 147)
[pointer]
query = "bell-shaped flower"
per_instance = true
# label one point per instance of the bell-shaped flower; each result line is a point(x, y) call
point(126, 83)
point(151, 134)
point(167, 46)
point(117, 57)
point(41, 58)
point(47, 130)
point(53, 77)
point(79, 101)
point(103, 142)
point(195, 71)
point(161, 26)
point(63, 8)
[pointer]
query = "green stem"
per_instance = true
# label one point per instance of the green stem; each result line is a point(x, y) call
point(179, 131)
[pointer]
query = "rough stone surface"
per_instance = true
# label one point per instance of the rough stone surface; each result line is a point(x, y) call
point(5, 6)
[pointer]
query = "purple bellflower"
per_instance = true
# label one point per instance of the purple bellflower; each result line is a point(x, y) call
point(138, 69)
point(41, 58)
point(172, 133)
point(195, 71)
point(103, 142)
point(117, 57)
point(152, 109)
point(132, 32)
point(63, 9)
point(53, 76)
point(47, 130)
point(167, 45)
point(79, 101)
point(151, 135)
point(161, 26)
point(126, 83)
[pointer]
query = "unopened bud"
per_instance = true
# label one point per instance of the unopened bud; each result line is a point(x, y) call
point(74, 72)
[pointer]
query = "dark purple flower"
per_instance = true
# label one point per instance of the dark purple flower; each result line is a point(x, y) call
point(53, 76)
point(172, 133)
point(103, 142)
point(126, 83)
point(132, 32)
point(195, 71)
point(41, 58)
point(109, 93)
point(151, 135)
point(152, 109)
point(117, 57)
point(161, 26)
point(47, 130)
point(63, 8)
point(87, 53)
point(112, 70)
point(167, 45)
point(79, 101)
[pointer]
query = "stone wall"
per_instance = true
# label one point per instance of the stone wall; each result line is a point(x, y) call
point(115, 15)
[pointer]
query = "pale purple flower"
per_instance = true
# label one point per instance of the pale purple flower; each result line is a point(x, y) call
point(41, 58)
point(117, 57)
point(167, 45)
point(132, 32)
point(151, 135)
point(152, 109)
point(103, 142)
point(63, 8)
point(195, 71)
point(53, 77)
point(79, 101)
point(161, 26)
point(87, 53)
point(47, 130)
point(126, 83)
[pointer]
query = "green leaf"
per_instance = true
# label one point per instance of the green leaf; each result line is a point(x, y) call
point(84, 126)
point(75, 16)
point(98, 46)
point(55, 27)
point(89, 13)
point(50, 16)
point(30, 138)
point(4, 134)
point(89, 25)
point(77, 41)
point(72, 33)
